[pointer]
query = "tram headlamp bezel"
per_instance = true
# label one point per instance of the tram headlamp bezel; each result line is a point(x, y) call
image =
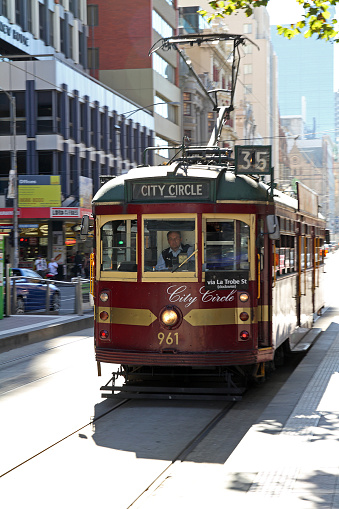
point(170, 317)
point(104, 315)
point(244, 316)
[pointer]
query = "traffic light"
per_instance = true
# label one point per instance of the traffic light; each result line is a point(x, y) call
point(11, 238)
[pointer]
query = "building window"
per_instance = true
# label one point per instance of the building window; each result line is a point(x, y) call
point(82, 122)
point(210, 121)
point(248, 49)
point(247, 28)
point(162, 108)
point(6, 127)
point(4, 8)
point(248, 69)
point(70, 50)
point(162, 144)
point(62, 35)
point(71, 117)
point(161, 26)
point(51, 28)
point(29, 16)
point(18, 13)
point(42, 23)
point(92, 15)
point(93, 58)
point(165, 69)
point(45, 161)
point(187, 97)
point(248, 89)
point(188, 135)
point(216, 74)
point(93, 126)
point(44, 112)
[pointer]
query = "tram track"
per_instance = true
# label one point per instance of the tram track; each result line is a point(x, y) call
point(90, 423)
point(181, 456)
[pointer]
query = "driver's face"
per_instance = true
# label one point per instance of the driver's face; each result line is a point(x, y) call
point(174, 241)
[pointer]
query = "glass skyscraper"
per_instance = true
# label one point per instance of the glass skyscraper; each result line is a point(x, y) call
point(305, 82)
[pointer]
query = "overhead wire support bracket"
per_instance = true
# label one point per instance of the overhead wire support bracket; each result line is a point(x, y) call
point(168, 43)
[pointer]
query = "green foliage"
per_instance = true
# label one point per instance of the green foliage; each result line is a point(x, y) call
point(317, 18)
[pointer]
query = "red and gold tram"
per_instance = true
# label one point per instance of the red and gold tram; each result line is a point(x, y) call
point(248, 274)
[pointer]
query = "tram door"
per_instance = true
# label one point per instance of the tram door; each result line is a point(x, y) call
point(263, 287)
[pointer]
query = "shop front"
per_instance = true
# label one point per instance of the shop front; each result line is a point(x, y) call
point(47, 232)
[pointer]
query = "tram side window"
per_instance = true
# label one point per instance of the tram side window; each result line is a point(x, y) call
point(226, 245)
point(169, 244)
point(285, 255)
point(118, 245)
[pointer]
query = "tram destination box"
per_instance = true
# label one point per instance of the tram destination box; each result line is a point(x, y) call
point(216, 280)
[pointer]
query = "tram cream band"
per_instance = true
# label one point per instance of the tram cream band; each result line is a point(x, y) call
point(196, 317)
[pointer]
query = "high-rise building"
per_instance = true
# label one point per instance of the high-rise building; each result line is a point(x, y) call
point(305, 73)
point(256, 116)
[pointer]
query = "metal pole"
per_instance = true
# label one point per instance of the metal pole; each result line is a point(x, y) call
point(13, 178)
point(15, 184)
point(8, 291)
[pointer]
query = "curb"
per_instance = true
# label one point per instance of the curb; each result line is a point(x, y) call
point(34, 333)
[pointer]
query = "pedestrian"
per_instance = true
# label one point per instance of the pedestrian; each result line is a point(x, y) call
point(77, 269)
point(53, 268)
point(86, 266)
point(41, 266)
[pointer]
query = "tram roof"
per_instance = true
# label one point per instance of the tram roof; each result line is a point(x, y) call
point(229, 187)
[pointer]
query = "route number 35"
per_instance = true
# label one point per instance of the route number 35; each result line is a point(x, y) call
point(169, 339)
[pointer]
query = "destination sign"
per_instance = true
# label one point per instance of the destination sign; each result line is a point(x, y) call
point(188, 190)
point(216, 280)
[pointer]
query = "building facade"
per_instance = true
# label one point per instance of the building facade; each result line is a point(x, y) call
point(121, 35)
point(66, 125)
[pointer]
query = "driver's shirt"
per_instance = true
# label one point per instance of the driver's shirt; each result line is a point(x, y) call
point(161, 265)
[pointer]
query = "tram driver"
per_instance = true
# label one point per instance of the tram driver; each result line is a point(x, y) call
point(175, 254)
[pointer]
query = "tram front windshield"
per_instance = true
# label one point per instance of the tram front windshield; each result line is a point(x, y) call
point(169, 245)
point(226, 245)
point(172, 245)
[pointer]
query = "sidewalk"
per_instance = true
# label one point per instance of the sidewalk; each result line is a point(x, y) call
point(290, 458)
point(20, 330)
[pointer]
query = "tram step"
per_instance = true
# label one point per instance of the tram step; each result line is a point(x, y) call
point(306, 341)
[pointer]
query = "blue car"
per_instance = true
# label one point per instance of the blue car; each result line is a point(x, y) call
point(31, 292)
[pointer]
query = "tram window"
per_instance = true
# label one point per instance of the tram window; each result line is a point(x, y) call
point(118, 245)
point(226, 245)
point(160, 235)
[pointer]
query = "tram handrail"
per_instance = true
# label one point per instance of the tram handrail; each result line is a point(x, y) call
point(91, 273)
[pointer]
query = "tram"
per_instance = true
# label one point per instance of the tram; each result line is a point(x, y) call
point(202, 268)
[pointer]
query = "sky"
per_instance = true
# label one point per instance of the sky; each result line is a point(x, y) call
point(289, 11)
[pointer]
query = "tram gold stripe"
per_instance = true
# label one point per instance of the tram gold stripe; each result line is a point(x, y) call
point(216, 316)
point(128, 316)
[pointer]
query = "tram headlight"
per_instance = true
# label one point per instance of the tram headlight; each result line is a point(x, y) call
point(170, 317)
point(103, 297)
point(243, 297)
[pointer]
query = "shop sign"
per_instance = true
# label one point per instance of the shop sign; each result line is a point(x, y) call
point(39, 191)
point(65, 212)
